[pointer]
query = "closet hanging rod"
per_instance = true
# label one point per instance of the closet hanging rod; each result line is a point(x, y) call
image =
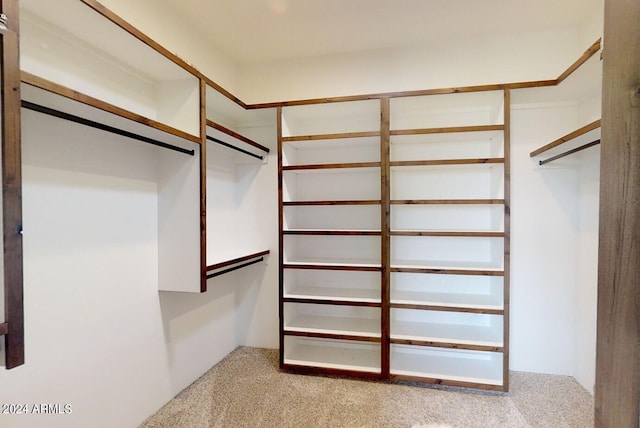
point(570, 152)
point(231, 269)
point(76, 119)
point(231, 146)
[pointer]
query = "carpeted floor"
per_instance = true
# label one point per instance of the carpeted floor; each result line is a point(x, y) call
point(246, 389)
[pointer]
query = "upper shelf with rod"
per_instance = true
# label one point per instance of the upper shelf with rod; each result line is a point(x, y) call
point(68, 43)
point(578, 140)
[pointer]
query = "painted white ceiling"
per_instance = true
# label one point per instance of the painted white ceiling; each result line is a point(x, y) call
point(263, 30)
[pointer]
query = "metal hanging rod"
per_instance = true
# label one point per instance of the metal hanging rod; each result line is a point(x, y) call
point(66, 116)
point(570, 152)
point(231, 269)
point(246, 152)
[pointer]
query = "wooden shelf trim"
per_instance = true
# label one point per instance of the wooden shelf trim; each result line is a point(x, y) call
point(335, 136)
point(447, 382)
point(4, 329)
point(336, 336)
point(447, 345)
point(330, 203)
point(237, 136)
point(331, 232)
point(447, 202)
point(470, 234)
point(331, 301)
point(450, 129)
point(331, 166)
point(332, 266)
point(447, 308)
point(39, 82)
point(566, 138)
point(569, 152)
point(447, 271)
point(230, 265)
point(436, 162)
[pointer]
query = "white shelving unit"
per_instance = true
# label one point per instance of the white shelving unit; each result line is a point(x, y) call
point(81, 67)
point(234, 159)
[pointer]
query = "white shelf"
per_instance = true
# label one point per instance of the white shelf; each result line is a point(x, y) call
point(335, 263)
point(237, 149)
point(458, 300)
point(457, 145)
point(335, 325)
point(459, 366)
point(490, 267)
point(80, 49)
point(332, 118)
point(334, 294)
point(332, 354)
point(462, 334)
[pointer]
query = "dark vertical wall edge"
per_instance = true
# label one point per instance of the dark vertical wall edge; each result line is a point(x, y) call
point(12, 188)
point(617, 389)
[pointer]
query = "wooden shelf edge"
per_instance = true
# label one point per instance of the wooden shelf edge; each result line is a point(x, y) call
point(4, 329)
point(567, 138)
point(315, 232)
point(447, 202)
point(327, 203)
point(447, 382)
point(435, 162)
point(46, 85)
point(453, 234)
point(331, 301)
point(446, 345)
point(236, 135)
point(450, 129)
point(446, 308)
point(332, 166)
point(231, 262)
point(311, 369)
point(349, 267)
point(447, 271)
point(334, 136)
point(336, 336)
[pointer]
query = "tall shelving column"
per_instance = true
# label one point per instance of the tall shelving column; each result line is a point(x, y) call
point(330, 238)
point(449, 239)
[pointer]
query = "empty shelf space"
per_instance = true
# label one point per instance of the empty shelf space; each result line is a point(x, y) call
point(231, 264)
point(450, 233)
point(331, 295)
point(230, 139)
point(447, 335)
point(332, 354)
point(333, 325)
point(470, 367)
point(336, 232)
point(463, 302)
point(449, 129)
point(445, 268)
point(572, 141)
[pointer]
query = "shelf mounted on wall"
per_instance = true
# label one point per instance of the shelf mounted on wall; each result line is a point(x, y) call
point(230, 139)
point(230, 265)
point(582, 138)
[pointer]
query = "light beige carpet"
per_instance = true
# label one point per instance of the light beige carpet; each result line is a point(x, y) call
point(246, 389)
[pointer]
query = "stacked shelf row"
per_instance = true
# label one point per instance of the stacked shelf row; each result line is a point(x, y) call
point(394, 238)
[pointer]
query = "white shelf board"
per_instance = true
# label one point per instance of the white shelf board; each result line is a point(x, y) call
point(238, 156)
point(447, 333)
point(216, 257)
point(333, 263)
point(301, 230)
point(451, 365)
point(340, 355)
point(460, 300)
point(366, 327)
point(464, 266)
point(337, 294)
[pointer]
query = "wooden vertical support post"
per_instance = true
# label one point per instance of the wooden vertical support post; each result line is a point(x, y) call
point(385, 228)
point(507, 236)
point(617, 389)
point(12, 188)
point(280, 235)
point(203, 186)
